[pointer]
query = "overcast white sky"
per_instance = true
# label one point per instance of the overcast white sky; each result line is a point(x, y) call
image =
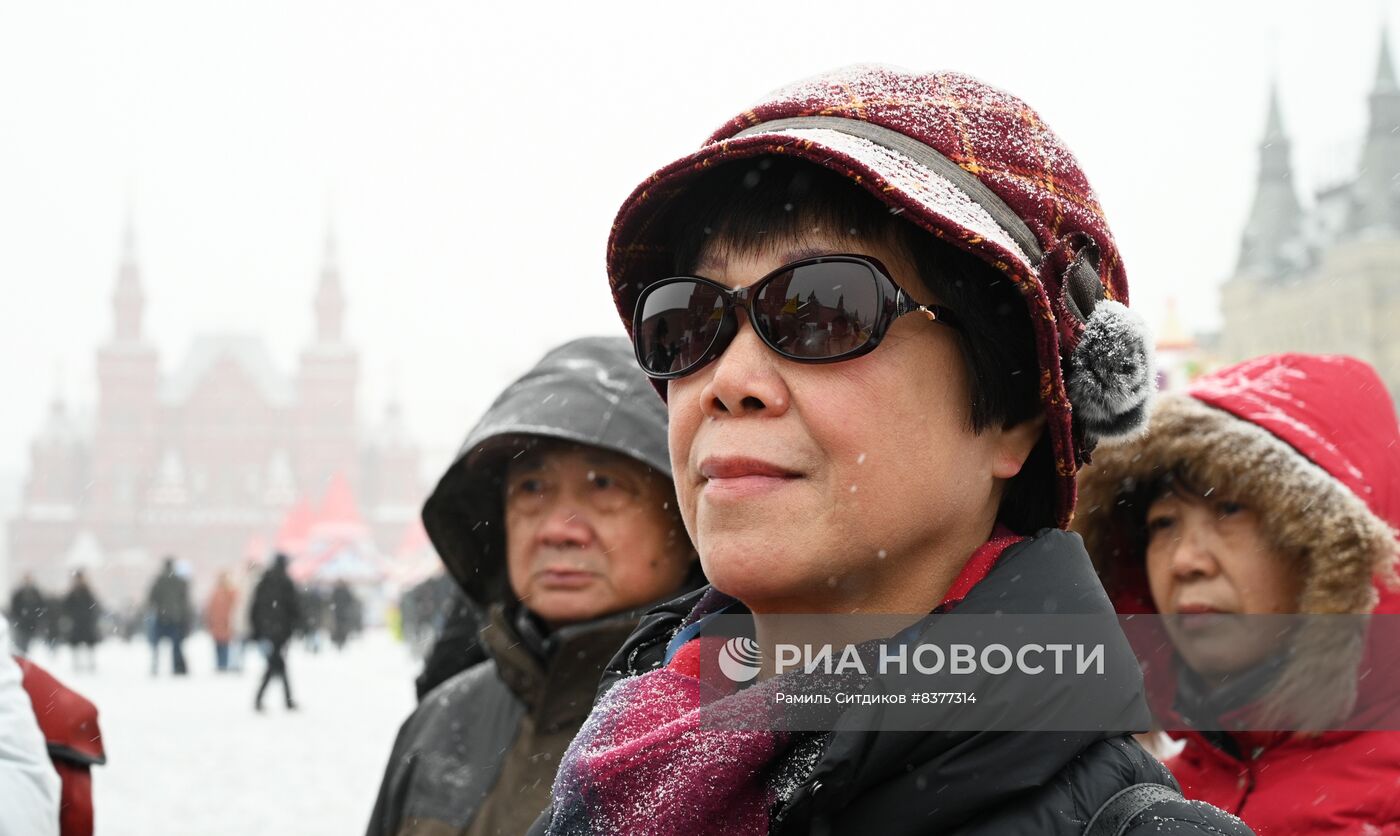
point(475, 154)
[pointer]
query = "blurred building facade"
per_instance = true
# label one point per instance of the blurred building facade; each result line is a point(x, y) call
point(1325, 279)
point(204, 460)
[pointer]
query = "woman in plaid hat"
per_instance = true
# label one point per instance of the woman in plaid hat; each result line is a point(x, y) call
point(1272, 486)
point(832, 455)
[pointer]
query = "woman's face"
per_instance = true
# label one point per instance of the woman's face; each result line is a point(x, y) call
point(826, 488)
point(1208, 565)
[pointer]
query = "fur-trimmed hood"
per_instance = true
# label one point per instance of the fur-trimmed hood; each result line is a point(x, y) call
point(1309, 442)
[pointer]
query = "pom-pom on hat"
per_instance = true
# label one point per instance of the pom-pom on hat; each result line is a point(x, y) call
point(977, 168)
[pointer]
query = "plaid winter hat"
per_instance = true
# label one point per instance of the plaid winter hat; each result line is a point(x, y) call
point(977, 168)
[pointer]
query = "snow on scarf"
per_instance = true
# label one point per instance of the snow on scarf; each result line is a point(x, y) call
point(669, 752)
point(657, 756)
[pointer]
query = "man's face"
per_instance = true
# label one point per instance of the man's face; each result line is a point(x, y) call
point(590, 533)
point(821, 488)
point(1208, 563)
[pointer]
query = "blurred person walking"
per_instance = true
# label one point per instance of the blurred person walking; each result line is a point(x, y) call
point(26, 612)
point(455, 645)
point(172, 614)
point(313, 617)
point(275, 613)
point(218, 619)
point(82, 615)
point(345, 614)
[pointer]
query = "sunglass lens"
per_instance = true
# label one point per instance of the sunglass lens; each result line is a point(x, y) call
point(819, 311)
point(676, 324)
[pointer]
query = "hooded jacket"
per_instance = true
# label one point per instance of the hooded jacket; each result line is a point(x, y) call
point(1311, 444)
point(983, 783)
point(480, 751)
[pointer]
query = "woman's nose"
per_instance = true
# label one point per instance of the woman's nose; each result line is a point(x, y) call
point(1193, 554)
point(745, 379)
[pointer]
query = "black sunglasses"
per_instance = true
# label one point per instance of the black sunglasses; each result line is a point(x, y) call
point(817, 310)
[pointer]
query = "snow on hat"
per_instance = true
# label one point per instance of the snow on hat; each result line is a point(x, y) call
point(977, 168)
point(1309, 442)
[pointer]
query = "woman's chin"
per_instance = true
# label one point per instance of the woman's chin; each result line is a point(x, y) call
point(767, 581)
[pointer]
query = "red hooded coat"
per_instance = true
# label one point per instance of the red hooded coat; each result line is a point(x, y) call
point(1310, 443)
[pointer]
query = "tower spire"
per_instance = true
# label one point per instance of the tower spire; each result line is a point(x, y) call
point(128, 300)
point(1273, 124)
point(330, 296)
point(330, 256)
point(1376, 200)
point(1385, 68)
point(1272, 243)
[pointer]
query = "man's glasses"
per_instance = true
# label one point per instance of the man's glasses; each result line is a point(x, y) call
point(817, 310)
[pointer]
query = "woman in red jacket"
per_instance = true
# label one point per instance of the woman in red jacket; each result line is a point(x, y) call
point(1269, 487)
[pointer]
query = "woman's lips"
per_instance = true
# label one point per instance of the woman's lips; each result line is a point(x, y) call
point(1196, 617)
point(737, 477)
point(1198, 609)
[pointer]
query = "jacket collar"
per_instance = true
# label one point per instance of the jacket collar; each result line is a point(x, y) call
point(554, 675)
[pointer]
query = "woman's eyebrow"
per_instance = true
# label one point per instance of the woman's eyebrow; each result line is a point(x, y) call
point(709, 262)
point(800, 253)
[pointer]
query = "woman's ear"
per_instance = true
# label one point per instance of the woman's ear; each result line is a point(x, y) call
point(1013, 446)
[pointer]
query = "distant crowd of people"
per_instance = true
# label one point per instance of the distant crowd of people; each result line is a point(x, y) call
point(49, 735)
point(231, 614)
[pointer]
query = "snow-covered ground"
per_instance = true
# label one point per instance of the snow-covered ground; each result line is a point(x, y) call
point(190, 756)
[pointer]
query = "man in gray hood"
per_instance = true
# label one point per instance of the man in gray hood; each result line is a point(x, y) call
point(558, 519)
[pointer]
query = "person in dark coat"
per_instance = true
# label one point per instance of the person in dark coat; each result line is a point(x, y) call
point(345, 614)
point(172, 615)
point(275, 615)
point(834, 456)
point(82, 614)
point(27, 607)
point(313, 617)
point(1271, 486)
point(558, 521)
point(457, 643)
